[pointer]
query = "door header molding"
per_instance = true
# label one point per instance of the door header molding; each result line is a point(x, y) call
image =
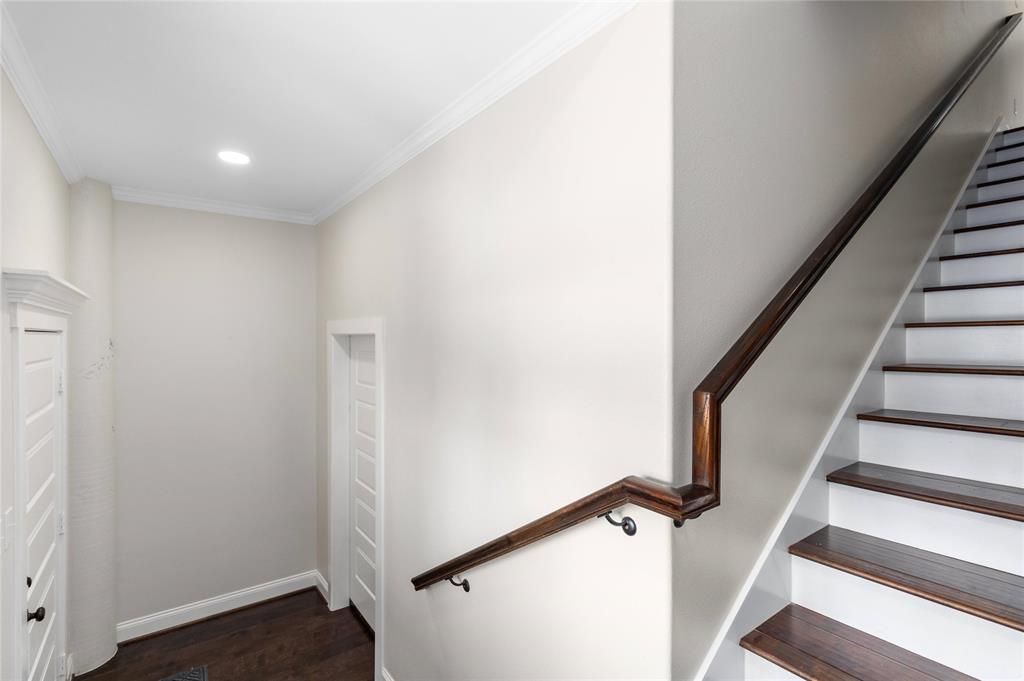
point(40, 290)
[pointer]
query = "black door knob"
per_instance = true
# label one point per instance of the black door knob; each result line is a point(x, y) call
point(28, 581)
point(39, 615)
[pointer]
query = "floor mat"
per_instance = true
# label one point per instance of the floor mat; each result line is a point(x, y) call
point(194, 674)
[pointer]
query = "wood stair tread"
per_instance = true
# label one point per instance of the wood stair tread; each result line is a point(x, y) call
point(994, 225)
point(990, 594)
point(1005, 180)
point(1002, 501)
point(997, 164)
point(972, 322)
point(982, 254)
point(974, 424)
point(1007, 147)
point(994, 202)
point(968, 287)
point(976, 369)
point(820, 648)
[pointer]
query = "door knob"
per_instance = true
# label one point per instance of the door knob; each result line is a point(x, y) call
point(39, 615)
point(28, 581)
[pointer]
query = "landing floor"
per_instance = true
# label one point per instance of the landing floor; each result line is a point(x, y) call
point(295, 638)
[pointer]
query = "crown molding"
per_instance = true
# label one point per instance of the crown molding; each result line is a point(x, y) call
point(565, 34)
point(562, 36)
point(132, 195)
point(41, 290)
point(26, 83)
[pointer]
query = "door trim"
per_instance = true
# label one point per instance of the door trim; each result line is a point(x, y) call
point(338, 459)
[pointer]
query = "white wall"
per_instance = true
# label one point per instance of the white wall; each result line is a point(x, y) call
point(92, 502)
point(522, 266)
point(784, 113)
point(215, 404)
point(34, 205)
point(36, 200)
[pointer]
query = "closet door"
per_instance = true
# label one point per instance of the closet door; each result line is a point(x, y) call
point(363, 482)
point(41, 481)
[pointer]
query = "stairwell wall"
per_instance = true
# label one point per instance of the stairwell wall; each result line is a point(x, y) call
point(795, 107)
point(522, 267)
point(34, 224)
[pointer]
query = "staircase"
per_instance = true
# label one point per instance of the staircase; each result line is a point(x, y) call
point(919, 574)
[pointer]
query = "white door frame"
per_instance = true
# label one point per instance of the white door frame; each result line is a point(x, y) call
point(38, 302)
point(338, 460)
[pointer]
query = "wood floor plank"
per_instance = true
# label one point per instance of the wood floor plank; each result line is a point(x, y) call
point(991, 594)
point(295, 637)
point(1002, 501)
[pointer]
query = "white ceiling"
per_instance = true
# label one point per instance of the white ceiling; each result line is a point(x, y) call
point(327, 98)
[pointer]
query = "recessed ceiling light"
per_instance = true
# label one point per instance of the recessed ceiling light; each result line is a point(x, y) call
point(233, 157)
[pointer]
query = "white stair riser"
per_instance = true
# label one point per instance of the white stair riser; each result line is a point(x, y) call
point(997, 459)
point(756, 668)
point(989, 240)
point(1009, 154)
point(1001, 191)
point(966, 345)
point(1003, 172)
point(1000, 212)
point(974, 646)
point(1010, 138)
point(970, 395)
point(985, 540)
point(1004, 302)
point(983, 270)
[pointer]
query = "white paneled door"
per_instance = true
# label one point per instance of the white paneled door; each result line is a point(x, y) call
point(41, 474)
point(363, 479)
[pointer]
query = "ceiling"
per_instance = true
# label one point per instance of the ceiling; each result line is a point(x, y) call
point(326, 97)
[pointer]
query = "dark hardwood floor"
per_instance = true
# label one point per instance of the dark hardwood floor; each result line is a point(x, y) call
point(294, 638)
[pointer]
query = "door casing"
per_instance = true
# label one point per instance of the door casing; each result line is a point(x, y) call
point(338, 468)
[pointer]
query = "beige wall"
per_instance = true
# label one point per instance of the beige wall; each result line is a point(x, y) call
point(522, 267)
point(34, 215)
point(36, 201)
point(784, 112)
point(215, 409)
point(92, 498)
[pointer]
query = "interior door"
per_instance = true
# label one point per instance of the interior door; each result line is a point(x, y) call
point(40, 480)
point(363, 482)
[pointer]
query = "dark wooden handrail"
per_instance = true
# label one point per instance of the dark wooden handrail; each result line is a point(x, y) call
point(704, 490)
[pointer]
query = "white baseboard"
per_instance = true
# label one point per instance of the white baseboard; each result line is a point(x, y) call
point(323, 587)
point(184, 614)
